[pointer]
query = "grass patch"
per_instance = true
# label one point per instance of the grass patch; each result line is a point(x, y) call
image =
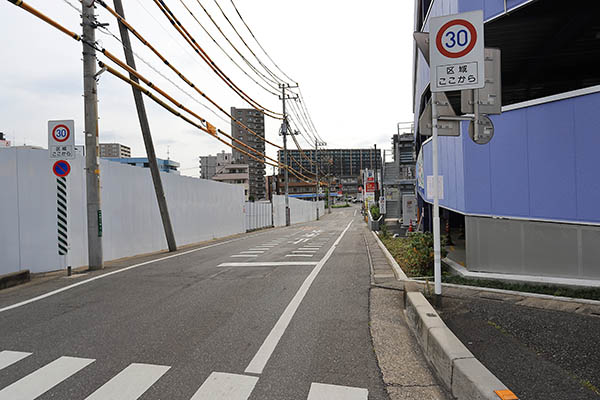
point(590, 294)
point(340, 205)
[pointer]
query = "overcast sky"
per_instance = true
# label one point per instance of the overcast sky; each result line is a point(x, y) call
point(353, 62)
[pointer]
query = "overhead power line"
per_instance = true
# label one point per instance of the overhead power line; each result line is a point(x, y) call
point(200, 51)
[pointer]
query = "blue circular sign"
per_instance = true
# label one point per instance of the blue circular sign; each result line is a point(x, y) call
point(61, 168)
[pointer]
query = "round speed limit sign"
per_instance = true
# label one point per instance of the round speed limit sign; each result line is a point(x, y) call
point(456, 38)
point(61, 133)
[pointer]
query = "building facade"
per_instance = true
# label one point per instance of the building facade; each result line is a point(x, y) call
point(236, 174)
point(254, 120)
point(168, 166)
point(528, 200)
point(114, 150)
point(209, 165)
point(343, 165)
point(3, 141)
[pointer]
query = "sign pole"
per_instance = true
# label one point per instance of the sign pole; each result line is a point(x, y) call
point(437, 255)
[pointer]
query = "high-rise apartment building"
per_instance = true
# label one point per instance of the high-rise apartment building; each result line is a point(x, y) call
point(210, 165)
point(255, 121)
point(114, 150)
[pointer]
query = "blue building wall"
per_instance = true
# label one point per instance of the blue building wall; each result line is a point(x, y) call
point(542, 163)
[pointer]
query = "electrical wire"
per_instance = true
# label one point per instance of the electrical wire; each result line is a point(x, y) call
point(178, 73)
point(246, 44)
point(270, 82)
point(200, 51)
point(259, 45)
point(225, 52)
point(208, 129)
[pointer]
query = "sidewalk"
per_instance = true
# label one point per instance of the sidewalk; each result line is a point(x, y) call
point(405, 371)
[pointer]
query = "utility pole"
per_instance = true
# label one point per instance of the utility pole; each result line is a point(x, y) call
point(330, 161)
point(92, 154)
point(145, 126)
point(376, 175)
point(284, 132)
point(317, 144)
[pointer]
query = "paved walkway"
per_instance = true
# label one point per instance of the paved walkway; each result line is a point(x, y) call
point(406, 373)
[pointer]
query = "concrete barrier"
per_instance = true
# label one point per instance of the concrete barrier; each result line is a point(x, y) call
point(462, 374)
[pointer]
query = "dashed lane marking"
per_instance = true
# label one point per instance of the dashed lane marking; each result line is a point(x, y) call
point(267, 263)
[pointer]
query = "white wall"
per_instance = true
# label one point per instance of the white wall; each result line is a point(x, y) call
point(300, 210)
point(258, 214)
point(200, 210)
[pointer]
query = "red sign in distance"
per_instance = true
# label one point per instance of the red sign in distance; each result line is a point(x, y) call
point(61, 168)
point(61, 133)
point(444, 30)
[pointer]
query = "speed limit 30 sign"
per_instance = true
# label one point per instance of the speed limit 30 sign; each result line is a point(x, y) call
point(61, 140)
point(456, 52)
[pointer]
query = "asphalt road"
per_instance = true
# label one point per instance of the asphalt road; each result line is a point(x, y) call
point(538, 354)
point(278, 314)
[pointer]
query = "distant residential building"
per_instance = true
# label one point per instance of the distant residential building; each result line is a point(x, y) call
point(3, 141)
point(344, 166)
point(235, 174)
point(114, 150)
point(254, 120)
point(168, 166)
point(209, 165)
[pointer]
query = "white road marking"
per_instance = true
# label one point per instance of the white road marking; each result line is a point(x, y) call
point(321, 391)
point(222, 386)
point(252, 252)
point(355, 213)
point(44, 379)
point(260, 248)
point(130, 383)
point(299, 255)
point(308, 248)
point(266, 263)
point(261, 357)
point(10, 357)
point(106, 275)
point(304, 251)
point(244, 255)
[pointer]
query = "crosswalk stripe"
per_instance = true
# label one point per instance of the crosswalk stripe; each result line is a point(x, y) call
point(44, 379)
point(298, 255)
point(321, 391)
point(10, 357)
point(222, 386)
point(244, 255)
point(130, 383)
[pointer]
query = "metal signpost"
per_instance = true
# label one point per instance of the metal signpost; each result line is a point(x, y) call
point(61, 147)
point(456, 54)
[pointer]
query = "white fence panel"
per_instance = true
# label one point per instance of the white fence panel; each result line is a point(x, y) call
point(199, 209)
point(300, 210)
point(258, 215)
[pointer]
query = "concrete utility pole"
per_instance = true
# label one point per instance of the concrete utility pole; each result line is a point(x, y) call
point(437, 247)
point(143, 118)
point(92, 156)
point(317, 144)
point(330, 161)
point(284, 132)
point(376, 176)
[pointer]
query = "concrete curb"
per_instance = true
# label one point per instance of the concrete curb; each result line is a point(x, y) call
point(14, 279)
point(400, 275)
point(462, 374)
point(458, 369)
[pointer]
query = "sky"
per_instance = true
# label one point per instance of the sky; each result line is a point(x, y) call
point(352, 61)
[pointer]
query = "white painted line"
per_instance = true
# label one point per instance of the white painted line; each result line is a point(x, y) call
point(321, 391)
point(260, 249)
point(10, 357)
point(355, 213)
point(245, 255)
point(63, 289)
point(308, 248)
point(252, 252)
point(266, 263)
point(44, 379)
point(304, 251)
point(261, 357)
point(299, 255)
point(130, 383)
point(222, 386)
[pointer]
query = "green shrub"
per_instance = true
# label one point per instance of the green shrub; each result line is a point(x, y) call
point(375, 212)
point(414, 253)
